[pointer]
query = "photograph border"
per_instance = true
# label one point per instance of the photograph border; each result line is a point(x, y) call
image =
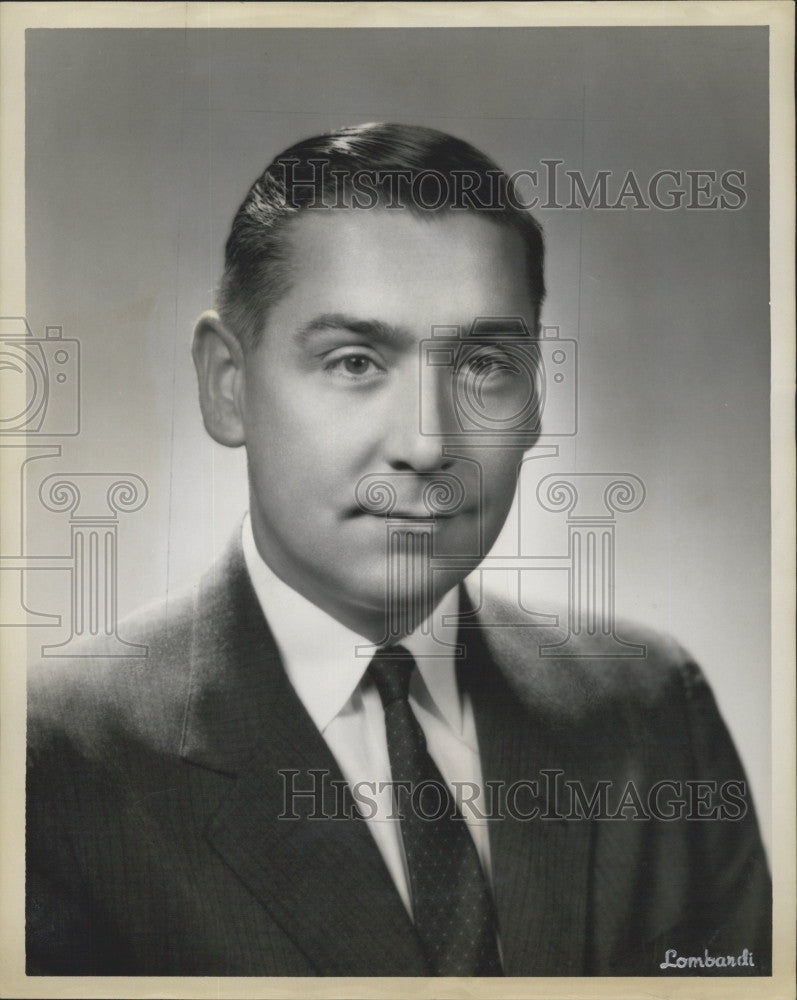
point(15, 18)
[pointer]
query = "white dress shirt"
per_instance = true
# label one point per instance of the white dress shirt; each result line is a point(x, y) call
point(327, 663)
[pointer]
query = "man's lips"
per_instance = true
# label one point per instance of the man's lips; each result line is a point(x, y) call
point(405, 496)
point(411, 515)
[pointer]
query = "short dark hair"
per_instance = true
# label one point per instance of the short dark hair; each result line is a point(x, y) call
point(338, 170)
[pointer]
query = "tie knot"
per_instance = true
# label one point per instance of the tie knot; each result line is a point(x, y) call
point(391, 669)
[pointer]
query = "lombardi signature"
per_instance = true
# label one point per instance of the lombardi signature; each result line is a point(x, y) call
point(672, 960)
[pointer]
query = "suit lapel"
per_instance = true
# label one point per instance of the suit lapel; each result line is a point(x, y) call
point(319, 874)
point(540, 866)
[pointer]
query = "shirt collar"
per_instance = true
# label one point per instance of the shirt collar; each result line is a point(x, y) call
point(325, 661)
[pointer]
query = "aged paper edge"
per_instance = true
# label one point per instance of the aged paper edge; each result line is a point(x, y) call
point(779, 16)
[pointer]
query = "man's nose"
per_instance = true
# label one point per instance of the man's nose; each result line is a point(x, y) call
point(421, 421)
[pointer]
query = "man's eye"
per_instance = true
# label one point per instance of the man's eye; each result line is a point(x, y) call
point(354, 366)
point(357, 364)
point(484, 364)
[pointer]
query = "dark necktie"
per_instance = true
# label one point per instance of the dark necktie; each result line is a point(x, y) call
point(451, 903)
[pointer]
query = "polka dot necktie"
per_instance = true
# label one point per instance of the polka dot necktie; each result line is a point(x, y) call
point(452, 907)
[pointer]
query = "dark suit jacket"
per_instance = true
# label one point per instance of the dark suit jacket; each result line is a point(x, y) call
point(154, 795)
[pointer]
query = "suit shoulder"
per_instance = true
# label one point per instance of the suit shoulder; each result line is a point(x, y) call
point(635, 669)
point(95, 694)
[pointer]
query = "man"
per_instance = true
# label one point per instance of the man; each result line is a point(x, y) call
point(314, 772)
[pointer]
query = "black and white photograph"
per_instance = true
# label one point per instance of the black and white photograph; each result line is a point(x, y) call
point(397, 550)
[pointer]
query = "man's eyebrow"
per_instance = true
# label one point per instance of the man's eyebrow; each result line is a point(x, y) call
point(371, 329)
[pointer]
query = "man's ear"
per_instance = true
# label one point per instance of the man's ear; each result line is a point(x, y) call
point(219, 362)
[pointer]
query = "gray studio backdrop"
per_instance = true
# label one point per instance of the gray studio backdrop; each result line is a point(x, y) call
point(141, 144)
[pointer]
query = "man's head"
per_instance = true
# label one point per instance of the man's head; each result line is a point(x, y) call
point(403, 168)
point(317, 361)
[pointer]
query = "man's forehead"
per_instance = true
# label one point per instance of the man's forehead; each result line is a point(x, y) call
point(446, 268)
point(474, 232)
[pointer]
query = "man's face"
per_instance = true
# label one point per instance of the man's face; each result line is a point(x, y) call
point(333, 394)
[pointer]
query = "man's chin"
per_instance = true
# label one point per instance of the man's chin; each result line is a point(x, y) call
point(406, 593)
point(397, 544)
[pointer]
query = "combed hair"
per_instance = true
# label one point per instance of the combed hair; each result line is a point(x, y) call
point(313, 174)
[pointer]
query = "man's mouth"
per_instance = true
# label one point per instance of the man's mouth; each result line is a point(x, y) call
point(406, 515)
